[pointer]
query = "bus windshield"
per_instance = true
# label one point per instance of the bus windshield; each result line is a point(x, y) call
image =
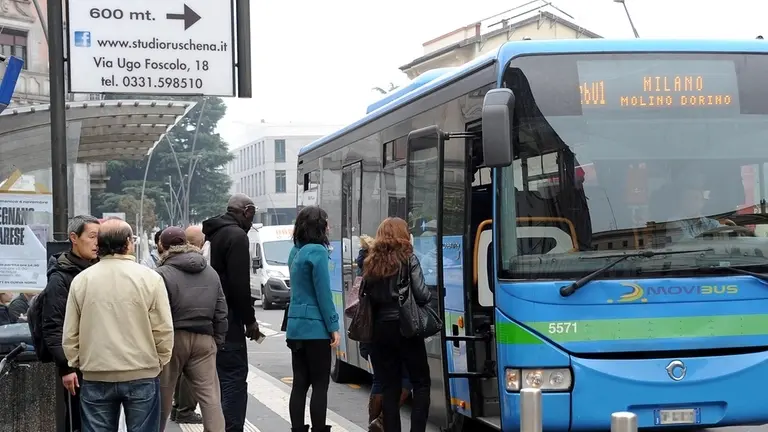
point(621, 152)
point(276, 252)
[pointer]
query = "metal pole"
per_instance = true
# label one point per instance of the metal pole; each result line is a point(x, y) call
point(185, 211)
point(175, 159)
point(170, 215)
point(42, 20)
point(623, 422)
point(629, 17)
point(244, 89)
point(274, 213)
point(58, 92)
point(530, 410)
point(143, 185)
point(189, 185)
point(173, 198)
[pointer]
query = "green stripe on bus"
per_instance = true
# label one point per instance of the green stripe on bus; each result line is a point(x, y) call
point(338, 300)
point(513, 334)
point(645, 328)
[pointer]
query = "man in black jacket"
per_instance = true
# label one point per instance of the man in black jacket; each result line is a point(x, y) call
point(230, 257)
point(62, 269)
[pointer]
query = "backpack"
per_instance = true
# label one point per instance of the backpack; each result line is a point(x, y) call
point(35, 321)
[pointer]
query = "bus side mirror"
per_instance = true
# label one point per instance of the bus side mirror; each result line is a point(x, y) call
point(498, 107)
point(256, 263)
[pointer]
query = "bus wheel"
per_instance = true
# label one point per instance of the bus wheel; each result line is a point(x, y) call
point(341, 372)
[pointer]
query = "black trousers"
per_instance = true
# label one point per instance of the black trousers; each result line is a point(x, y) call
point(311, 363)
point(389, 352)
point(232, 367)
point(184, 402)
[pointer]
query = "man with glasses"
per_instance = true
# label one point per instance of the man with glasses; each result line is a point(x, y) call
point(230, 256)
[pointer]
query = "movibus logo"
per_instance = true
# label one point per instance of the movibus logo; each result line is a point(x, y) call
point(636, 293)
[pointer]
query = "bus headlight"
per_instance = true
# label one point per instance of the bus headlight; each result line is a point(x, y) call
point(546, 380)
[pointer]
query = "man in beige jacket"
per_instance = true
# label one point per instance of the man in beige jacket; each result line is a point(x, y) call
point(118, 331)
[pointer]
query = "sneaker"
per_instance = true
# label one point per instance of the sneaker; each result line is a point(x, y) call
point(191, 418)
point(174, 414)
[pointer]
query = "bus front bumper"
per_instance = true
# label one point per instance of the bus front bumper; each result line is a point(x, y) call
point(712, 392)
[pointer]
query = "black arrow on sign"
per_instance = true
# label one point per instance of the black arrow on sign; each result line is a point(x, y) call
point(189, 16)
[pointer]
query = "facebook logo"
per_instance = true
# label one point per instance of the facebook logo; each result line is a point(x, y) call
point(83, 39)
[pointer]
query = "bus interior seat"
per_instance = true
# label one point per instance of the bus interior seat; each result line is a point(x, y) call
point(532, 205)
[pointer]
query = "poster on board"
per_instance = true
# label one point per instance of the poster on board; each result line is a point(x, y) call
point(23, 258)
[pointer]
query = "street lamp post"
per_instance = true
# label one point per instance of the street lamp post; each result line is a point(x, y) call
point(629, 17)
point(192, 166)
point(183, 190)
point(175, 197)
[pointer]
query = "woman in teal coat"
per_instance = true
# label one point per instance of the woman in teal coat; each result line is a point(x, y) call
point(312, 329)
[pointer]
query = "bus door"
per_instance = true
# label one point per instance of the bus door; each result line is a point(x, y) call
point(424, 204)
point(351, 208)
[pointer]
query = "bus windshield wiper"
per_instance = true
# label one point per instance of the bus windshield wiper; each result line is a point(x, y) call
point(735, 268)
point(568, 290)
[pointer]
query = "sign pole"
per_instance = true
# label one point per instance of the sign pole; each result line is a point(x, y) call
point(58, 120)
point(244, 88)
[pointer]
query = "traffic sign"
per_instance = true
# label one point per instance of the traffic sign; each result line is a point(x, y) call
point(170, 47)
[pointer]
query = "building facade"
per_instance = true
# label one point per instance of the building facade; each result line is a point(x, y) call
point(265, 168)
point(464, 44)
point(22, 35)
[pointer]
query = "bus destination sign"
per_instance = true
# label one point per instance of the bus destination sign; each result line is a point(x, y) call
point(677, 84)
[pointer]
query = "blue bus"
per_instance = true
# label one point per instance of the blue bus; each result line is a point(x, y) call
point(591, 215)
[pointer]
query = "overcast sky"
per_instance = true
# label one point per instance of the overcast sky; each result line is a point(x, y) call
point(318, 61)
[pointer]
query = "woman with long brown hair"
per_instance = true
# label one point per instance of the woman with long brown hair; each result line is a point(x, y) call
point(391, 261)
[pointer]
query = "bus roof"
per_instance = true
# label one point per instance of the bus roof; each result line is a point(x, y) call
point(419, 81)
point(506, 52)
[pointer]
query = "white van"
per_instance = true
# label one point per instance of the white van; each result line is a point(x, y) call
point(270, 247)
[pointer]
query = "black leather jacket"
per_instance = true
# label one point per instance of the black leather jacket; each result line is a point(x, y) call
point(384, 292)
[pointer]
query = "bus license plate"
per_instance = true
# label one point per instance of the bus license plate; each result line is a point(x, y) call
point(677, 416)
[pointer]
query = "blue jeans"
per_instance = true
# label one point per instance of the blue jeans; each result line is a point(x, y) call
point(100, 404)
point(232, 367)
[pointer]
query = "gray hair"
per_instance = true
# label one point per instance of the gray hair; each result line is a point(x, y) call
point(78, 223)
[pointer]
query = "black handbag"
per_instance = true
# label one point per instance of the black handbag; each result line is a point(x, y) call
point(361, 325)
point(284, 325)
point(415, 320)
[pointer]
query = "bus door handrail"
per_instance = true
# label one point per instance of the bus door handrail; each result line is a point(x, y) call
point(476, 255)
point(485, 223)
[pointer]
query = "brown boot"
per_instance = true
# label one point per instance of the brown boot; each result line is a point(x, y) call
point(378, 424)
point(375, 406)
point(404, 395)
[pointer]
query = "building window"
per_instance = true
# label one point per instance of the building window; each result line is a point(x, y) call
point(280, 181)
point(14, 42)
point(279, 150)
